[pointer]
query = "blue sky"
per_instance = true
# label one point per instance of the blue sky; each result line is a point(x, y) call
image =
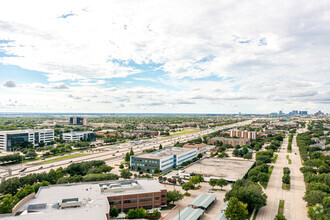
point(164, 56)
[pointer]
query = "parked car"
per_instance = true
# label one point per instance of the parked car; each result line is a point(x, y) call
point(43, 158)
point(210, 191)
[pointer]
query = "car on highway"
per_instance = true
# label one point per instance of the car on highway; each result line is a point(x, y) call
point(51, 165)
point(22, 174)
point(62, 154)
point(117, 151)
point(113, 154)
point(70, 161)
point(41, 167)
point(6, 174)
point(22, 170)
point(43, 158)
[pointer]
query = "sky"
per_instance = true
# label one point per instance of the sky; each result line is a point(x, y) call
point(152, 56)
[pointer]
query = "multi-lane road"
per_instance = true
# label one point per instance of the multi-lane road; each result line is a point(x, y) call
point(113, 154)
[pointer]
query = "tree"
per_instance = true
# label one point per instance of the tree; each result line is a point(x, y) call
point(248, 193)
point(127, 157)
point(126, 174)
point(236, 210)
point(157, 170)
point(314, 196)
point(247, 156)
point(174, 196)
point(200, 155)
point(7, 203)
point(114, 212)
point(131, 214)
point(141, 213)
point(194, 180)
point(213, 183)
point(155, 213)
point(187, 186)
point(160, 147)
point(31, 154)
point(131, 153)
point(286, 179)
point(222, 182)
point(121, 166)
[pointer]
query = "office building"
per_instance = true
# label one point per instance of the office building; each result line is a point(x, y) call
point(164, 160)
point(231, 141)
point(90, 200)
point(302, 112)
point(21, 138)
point(243, 134)
point(79, 136)
point(78, 121)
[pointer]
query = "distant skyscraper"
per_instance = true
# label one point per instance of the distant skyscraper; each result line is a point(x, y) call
point(302, 112)
point(280, 113)
point(295, 112)
point(78, 121)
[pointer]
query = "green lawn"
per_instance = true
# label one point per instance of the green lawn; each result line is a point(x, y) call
point(62, 158)
point(285, 186)
point(281, 207)
point(275, 158)
point(183, 132)
point(289, 160)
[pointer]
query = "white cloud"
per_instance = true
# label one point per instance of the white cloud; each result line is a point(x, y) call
point(263, 52)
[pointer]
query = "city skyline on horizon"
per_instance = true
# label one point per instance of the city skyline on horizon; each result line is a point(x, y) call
point(171, 57)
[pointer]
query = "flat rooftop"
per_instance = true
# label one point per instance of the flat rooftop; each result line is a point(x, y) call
point(25, 131)
point(169, 151)
point(91, 196)
point(229, 169)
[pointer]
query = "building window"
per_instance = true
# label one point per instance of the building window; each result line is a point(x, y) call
point(156, 197)
point(115, 202)
point(130, 201)
point(146, 199)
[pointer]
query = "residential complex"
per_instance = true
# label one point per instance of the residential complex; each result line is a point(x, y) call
point(79, 136)
point(19, 138)
point(78, 121)
point(243, 134)
point(90, 200)
point(164, 160)
point(232, 141)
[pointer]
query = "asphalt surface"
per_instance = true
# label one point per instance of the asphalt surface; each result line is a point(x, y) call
point(294, 205)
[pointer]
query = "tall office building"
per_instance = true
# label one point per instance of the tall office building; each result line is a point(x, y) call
point(78, 121)
point(20, 138)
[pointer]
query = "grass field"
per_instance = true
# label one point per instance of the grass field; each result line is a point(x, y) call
point(289, 160)
point(275, 158)
point(281, 207)
point(285, 186)
point(62, 158)
point(183, 132)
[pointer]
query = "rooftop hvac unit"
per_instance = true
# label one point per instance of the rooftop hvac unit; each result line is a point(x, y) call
point(70, 203)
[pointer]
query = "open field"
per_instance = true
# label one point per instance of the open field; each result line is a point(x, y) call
point(229, 169)
point(183, 132)
point(62, 158)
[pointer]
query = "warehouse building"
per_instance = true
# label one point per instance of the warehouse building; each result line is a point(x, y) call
point(162, 160)
point(21, 138)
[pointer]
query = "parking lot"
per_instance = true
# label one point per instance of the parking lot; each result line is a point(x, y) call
point(229, 169)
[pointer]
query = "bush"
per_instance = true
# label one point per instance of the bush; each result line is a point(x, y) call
point(286, 179)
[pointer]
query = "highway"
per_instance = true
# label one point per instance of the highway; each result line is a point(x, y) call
point(107, 152)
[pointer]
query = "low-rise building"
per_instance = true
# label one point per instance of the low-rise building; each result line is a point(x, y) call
point(20, 138)
point(163, 160)
point(90, 200)
point(232, 141)
point(200, 148)
point(79, 136)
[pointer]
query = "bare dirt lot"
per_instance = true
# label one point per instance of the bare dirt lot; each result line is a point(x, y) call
point(229, 169)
